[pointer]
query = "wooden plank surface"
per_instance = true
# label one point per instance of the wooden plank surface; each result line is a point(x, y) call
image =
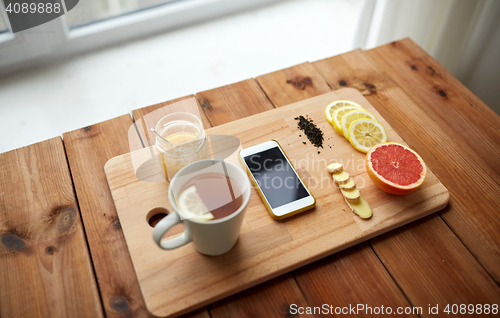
point(293, 84)
point(434, 267)
point(270, 299)
point(266, 248)
point(88, 149)
point(351, 277)
point(436, 147)
point(233, 101)
point(468, 151)
point(448, 102)
point(278, 89)
point(45, 266)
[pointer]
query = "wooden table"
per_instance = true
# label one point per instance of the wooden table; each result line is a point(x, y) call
point(63, 254)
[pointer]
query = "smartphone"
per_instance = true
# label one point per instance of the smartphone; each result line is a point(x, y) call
point(278, 184)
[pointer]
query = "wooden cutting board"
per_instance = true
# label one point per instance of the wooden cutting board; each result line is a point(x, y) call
point(178, 281)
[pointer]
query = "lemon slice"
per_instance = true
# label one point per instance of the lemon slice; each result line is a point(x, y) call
point(337, 116)
point(335, 105)
point(192, 207)
point(366, 133)
point(351, 116)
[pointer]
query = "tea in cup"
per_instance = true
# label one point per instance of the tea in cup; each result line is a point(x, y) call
point(209, 197)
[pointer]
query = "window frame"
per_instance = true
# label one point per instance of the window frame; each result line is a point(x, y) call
point(54, 41)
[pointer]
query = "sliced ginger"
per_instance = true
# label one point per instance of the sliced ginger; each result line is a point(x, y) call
point(334, 167)
point(351, 193)
point(360, 208)
point(340, 177)
point(348, 185)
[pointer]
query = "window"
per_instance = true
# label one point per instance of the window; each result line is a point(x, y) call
point(93, 24)
point(3, 25)
point(92, 11)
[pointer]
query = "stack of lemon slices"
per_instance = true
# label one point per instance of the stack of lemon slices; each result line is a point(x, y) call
point(356, 124)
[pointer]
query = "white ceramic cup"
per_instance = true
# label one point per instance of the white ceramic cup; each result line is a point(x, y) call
point(213, 237)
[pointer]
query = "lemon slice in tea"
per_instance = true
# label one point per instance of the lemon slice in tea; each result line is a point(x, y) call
point(191, 206)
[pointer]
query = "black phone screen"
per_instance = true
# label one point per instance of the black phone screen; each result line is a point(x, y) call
point(275, 177)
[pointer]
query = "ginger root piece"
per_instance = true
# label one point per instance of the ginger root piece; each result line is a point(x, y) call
point(348, 185)
point(361, 208)
point(340, 177)
point(351, 195)
point(334, 167)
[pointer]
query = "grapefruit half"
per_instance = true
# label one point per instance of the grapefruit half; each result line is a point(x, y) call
point(395, 168)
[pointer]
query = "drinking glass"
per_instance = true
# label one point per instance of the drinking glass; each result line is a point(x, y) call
point(184, 141)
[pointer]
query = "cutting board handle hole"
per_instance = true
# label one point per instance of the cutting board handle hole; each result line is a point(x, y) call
point(155, 215)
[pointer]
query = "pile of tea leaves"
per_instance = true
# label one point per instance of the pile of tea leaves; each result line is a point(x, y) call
point(313, 133)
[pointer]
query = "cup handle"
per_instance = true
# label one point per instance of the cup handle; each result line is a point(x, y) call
point(163, 226)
